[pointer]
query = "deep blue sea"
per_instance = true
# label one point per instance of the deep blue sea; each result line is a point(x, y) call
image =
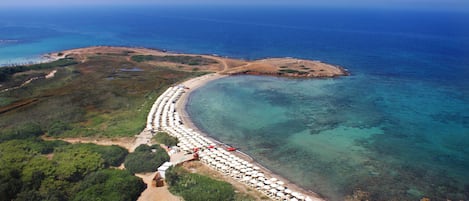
point(396, 129)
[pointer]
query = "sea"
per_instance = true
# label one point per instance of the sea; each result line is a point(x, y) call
point(397, 128)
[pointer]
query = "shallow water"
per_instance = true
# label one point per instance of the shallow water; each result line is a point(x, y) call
point(334, 136)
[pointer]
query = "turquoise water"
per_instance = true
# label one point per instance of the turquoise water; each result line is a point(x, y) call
point(397, 128)
point(394, 138)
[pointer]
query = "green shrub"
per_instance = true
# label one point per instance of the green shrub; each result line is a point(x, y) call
point(7, 72)
point(113, 155)
point(57, 128)
point(166, 139)
point(110, 184)
point(143, 148)
point(188, 60)
point(288, 71)
point(144, 160)
point(195, 187)
point(24, 131)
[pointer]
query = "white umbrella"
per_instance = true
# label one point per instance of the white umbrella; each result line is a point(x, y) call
point(280, 188)
point(288, 191)
point(294, 193)
point(300, 197)
point(273, 191)
point(280, 194)
point(266, 187)
point(260, 184)
point(280, 183)
point(273, 185)
point(273, 179)
point(253, 181)
point(293, 199)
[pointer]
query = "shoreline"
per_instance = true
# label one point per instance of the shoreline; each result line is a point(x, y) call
point(195, 83)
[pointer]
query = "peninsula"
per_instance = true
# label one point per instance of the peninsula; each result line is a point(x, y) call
point(283, 67)
point(103, 95)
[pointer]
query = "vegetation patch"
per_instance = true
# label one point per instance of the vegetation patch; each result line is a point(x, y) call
point(166, 139)
point(195, 187)
point(145, 159)
point(33, 169)
point(108, 185)
point(113, 155)
point(288, 71)
point(7, 72)
point(81, 102)
point(188, 60)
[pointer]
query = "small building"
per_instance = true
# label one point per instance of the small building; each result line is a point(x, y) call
point(162, 169)
point(157, 180)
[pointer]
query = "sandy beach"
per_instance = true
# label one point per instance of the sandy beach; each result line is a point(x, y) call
point(195, 83)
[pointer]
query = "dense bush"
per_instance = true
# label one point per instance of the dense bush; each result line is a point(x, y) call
point(144, 160)
point(7, 72)
point(195, 187)
point(23, 131)
point(57, 128)
point(143, 148)
point(113, 155)
point(27, 174)
point(189, 60)
point(164, 138)
point(114, 185)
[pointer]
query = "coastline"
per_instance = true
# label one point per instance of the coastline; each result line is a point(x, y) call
point(194, 84)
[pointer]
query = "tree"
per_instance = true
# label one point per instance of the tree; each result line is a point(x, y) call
point(144, 160)
point(110, 184)
point(75, 164)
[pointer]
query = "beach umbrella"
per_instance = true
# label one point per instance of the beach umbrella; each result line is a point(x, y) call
point(273, 191)
point(280, 183)
point(280, 194)
point(273, 179)
point(280, 188)
point(261, 179)
point(267, 182)
point(266, 187)
point(260, 184)
point(288, 191)
point(308, 199)
point(300, 197)
point(253, 181)
point(256, 168)
point(293, 199)
point(273, 185)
